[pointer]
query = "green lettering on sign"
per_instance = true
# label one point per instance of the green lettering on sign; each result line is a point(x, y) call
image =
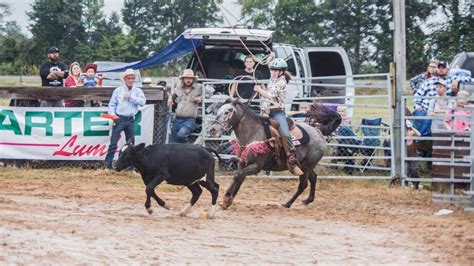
point(29, 124)
point(13, 126)
point(138, 127)
point(88, 124)
point(68, 116)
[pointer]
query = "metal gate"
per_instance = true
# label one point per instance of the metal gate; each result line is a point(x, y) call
point(359, 149)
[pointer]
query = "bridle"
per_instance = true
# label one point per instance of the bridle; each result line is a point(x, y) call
point(229, 117)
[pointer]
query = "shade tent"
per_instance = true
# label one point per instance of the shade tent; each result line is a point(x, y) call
point(177, 48)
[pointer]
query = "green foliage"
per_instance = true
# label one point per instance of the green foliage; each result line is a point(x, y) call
point(156, 23)
point(295, 22)
point(454, 33)
point(57, 23)
point(360, 27)
point(258, 13)
point(83, 33)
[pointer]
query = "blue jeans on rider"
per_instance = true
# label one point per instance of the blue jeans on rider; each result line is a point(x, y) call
point(125, 124)
point(182, 128)
point(283, 129)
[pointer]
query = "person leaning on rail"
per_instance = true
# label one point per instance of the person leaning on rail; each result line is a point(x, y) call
point(187, 96)
point(417, 82)
point(52, 73)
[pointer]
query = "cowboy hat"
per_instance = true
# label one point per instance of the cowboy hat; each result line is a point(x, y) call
point(128, 72)
point(93, 66)
point(188, 73)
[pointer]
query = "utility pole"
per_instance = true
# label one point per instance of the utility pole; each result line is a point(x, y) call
point(399, 54)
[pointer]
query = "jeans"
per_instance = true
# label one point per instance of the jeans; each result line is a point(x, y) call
point(182, 128)
point(125, 124)
point(283, 128)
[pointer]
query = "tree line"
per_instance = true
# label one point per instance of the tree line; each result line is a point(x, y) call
point(84, 33)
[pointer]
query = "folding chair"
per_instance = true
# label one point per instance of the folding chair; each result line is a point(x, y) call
point(347, 148)
point(370, 128)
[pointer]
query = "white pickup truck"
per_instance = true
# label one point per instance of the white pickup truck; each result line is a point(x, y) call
point(223, 48)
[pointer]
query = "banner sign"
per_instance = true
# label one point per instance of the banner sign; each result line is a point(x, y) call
point(64, 133)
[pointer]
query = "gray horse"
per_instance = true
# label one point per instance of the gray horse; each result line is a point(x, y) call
point(250, 128)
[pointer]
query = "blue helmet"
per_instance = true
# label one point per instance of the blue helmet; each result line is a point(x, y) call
point(278, 64)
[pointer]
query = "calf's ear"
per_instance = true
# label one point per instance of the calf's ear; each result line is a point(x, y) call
point(140, 147)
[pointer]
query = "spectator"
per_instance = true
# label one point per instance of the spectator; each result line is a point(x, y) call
point(438, 107)
point(429, 86)
point(188, 96)
point(303, 108)
point(459, 124)
point(146, 82)
point(123, 106)
point(73, 81)
point(89, 79)
point(342, 111)
point(417, 82)
point(246, 90)
point(52, 73)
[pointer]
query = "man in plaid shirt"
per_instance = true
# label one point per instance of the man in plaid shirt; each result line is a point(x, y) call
point(429, 86)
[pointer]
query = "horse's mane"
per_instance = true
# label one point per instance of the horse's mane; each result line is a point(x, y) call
point(246, 109)
point(323, 118)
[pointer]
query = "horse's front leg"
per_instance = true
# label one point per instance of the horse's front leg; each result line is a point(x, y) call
point(301, 187)
point(237, 182)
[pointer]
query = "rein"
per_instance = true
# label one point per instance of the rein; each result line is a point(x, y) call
point(232, 124)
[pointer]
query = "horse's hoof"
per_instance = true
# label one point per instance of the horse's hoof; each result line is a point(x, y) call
point(185, 210)
point(211, 212)
point(286, 205)
point(226, 203)
point(307, 201)
point(224, 206)
point(150, 211)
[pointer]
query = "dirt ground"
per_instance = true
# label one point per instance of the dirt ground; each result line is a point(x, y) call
point(83, 216)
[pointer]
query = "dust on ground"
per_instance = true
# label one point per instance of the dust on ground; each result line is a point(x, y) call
point(82, 216)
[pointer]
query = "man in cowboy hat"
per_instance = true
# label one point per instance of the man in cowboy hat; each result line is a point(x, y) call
point(123, 107)
point(187, 96)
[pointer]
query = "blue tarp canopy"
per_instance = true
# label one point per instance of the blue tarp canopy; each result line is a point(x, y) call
point(177, 48)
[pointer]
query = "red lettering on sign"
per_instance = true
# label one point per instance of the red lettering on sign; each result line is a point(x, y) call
point(71, 149)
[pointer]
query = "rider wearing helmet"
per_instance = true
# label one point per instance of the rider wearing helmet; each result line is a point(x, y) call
point(275, 96)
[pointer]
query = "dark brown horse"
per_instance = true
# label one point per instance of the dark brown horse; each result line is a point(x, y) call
point(249, 129)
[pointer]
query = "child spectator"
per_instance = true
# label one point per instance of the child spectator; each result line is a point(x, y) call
point(459, 123)
point(342, 111)
point(303, 108)
point(438, 107)
point(89, 79)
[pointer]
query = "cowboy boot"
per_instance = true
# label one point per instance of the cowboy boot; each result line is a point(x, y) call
point(291, 157)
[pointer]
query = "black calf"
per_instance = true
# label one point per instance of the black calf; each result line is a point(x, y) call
point(176, 164)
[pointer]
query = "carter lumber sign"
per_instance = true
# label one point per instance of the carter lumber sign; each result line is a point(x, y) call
point(63, 133)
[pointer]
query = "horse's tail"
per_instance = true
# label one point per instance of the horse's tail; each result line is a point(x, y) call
point(325, 119)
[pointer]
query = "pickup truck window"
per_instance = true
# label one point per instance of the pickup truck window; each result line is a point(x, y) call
point(469, 64)
point(300, 64)
point(286, 54)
